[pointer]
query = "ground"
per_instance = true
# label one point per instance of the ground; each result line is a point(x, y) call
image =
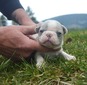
point(58, 72)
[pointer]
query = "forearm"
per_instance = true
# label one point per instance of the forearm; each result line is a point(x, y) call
point(21, 17)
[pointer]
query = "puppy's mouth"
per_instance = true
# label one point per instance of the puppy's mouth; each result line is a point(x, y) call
point(48, 42)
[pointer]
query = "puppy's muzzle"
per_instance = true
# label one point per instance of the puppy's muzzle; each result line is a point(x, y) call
point(49, 35)
point(49, 38)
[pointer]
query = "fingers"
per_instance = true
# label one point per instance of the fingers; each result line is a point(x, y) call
point(30, 29)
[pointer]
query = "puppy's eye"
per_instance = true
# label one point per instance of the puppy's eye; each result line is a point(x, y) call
point(59, 34)
point(41, 31)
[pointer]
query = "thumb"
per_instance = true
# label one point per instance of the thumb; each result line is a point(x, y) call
point(27, 29)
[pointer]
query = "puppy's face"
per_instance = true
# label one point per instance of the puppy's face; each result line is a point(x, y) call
point(51, 34)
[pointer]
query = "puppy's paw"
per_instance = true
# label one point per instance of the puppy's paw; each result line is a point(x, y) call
point(70, 57)
point(40, 65)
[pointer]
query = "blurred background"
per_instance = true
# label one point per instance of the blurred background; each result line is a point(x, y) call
point(71, 13)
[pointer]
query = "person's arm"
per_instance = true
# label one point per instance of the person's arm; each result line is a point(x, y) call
point(21, 17)
point(14, 39)
point(13, 9)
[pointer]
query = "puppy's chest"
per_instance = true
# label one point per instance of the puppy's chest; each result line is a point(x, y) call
point(50, 55)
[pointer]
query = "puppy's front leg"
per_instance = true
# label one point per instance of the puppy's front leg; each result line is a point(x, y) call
point(39, 60)
point(67, 56)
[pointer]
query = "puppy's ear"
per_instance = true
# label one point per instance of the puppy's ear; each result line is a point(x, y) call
point(64, 29)
point(38, 27)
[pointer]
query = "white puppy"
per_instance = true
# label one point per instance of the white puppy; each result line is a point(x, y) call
point(50, 35)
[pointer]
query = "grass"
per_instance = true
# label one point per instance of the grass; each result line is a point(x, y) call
point(57, 72)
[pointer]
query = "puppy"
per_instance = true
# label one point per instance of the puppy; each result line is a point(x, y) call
point(50, 35)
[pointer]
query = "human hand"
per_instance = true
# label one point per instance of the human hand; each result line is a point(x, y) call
point(15, 43)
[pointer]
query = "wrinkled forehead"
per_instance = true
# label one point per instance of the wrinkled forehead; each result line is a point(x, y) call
point(52, 26)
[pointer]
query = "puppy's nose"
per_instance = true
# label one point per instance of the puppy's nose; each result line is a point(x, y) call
point(49, 35)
